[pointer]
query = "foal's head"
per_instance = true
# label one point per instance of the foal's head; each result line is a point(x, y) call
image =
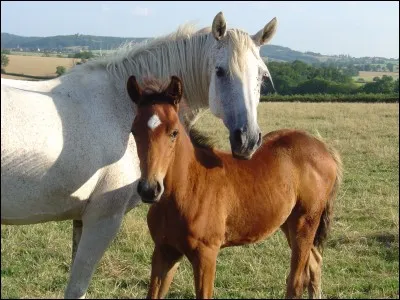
point(156, 128)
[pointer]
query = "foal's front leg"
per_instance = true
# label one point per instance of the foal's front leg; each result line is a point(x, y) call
point(204, 262)
point(165, 262)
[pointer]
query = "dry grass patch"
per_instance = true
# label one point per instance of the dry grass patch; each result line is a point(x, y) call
point(37, 65)
point(369, 75)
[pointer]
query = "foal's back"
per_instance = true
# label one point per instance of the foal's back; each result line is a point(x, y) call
point(291, 170)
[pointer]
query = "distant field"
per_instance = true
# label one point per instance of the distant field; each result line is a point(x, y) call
point(54, 54)
point(27, 53)
point(103, 52)
point(37, 65)
point(369, 75)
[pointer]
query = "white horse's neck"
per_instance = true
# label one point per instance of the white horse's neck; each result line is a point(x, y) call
point(184, 55)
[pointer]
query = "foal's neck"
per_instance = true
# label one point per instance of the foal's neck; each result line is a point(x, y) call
point(185, 169)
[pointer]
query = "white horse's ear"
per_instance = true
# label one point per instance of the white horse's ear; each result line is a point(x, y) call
point(219, 26)
point(174, 90)
point(134, 90)
point(265, 35)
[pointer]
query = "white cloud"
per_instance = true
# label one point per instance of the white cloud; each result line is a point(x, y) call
point(141, 11)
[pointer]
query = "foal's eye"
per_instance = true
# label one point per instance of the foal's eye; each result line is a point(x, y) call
point(174, 134)
point(219, 71)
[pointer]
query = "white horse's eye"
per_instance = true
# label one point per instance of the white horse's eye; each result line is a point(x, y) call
point(219, 71)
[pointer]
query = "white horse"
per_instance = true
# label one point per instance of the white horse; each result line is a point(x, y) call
point(66, 148)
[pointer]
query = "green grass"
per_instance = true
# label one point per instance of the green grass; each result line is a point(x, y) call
point(361, 259)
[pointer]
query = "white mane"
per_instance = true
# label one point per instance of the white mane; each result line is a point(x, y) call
point(178, 53)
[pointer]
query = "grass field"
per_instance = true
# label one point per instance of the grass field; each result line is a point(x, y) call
point(361, 259)
point(37, 65)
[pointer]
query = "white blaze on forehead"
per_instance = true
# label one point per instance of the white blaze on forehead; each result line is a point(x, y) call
point(153, 122)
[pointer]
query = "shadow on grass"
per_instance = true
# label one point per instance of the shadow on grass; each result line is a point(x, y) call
point(387, 242)
point(6, 272)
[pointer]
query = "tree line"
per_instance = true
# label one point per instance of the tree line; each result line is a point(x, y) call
point(299, 78)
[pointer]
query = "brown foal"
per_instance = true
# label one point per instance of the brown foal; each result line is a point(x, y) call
point(204, 199)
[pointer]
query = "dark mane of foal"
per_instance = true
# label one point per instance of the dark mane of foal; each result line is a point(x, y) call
point(153, 93)
point(200, 140)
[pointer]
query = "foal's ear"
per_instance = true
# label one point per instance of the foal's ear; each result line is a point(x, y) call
point(218, 27)
point(134, 90)
point(174, 90)
point(265, 35)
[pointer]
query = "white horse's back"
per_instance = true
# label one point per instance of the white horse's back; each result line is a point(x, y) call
point(52, 151)
point(31, 142)
point(35, 86)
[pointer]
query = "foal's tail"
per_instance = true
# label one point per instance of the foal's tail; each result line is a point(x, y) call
point(327, 214)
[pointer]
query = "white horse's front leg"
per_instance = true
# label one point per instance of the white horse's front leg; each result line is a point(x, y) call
point(95, 239)
point(101, 221)
point(76, 237)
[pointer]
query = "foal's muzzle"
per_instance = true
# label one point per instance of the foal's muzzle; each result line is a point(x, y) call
point(150, 192)
point(244, 143)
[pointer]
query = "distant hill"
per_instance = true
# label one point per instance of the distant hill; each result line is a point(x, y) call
point(63, 41)
point(92, 42)
point(13, 41)
point(280, 53)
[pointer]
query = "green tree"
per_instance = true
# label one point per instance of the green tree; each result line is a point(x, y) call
point(299, 77)
point(4, 62)
point(384, 85)
point(60, 70)
point(84, 54)
point(367, 67)
point(390, 66)
point(396, 86)
point(313, 86)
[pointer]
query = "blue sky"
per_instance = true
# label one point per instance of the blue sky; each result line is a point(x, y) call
point(355, 28)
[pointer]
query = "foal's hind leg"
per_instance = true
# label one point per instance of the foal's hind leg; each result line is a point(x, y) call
point(314, 269)
point(301, 232)
point(165, 262)
point(312, 275)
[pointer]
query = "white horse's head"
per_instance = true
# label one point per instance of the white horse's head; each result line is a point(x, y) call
point(237, 71)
